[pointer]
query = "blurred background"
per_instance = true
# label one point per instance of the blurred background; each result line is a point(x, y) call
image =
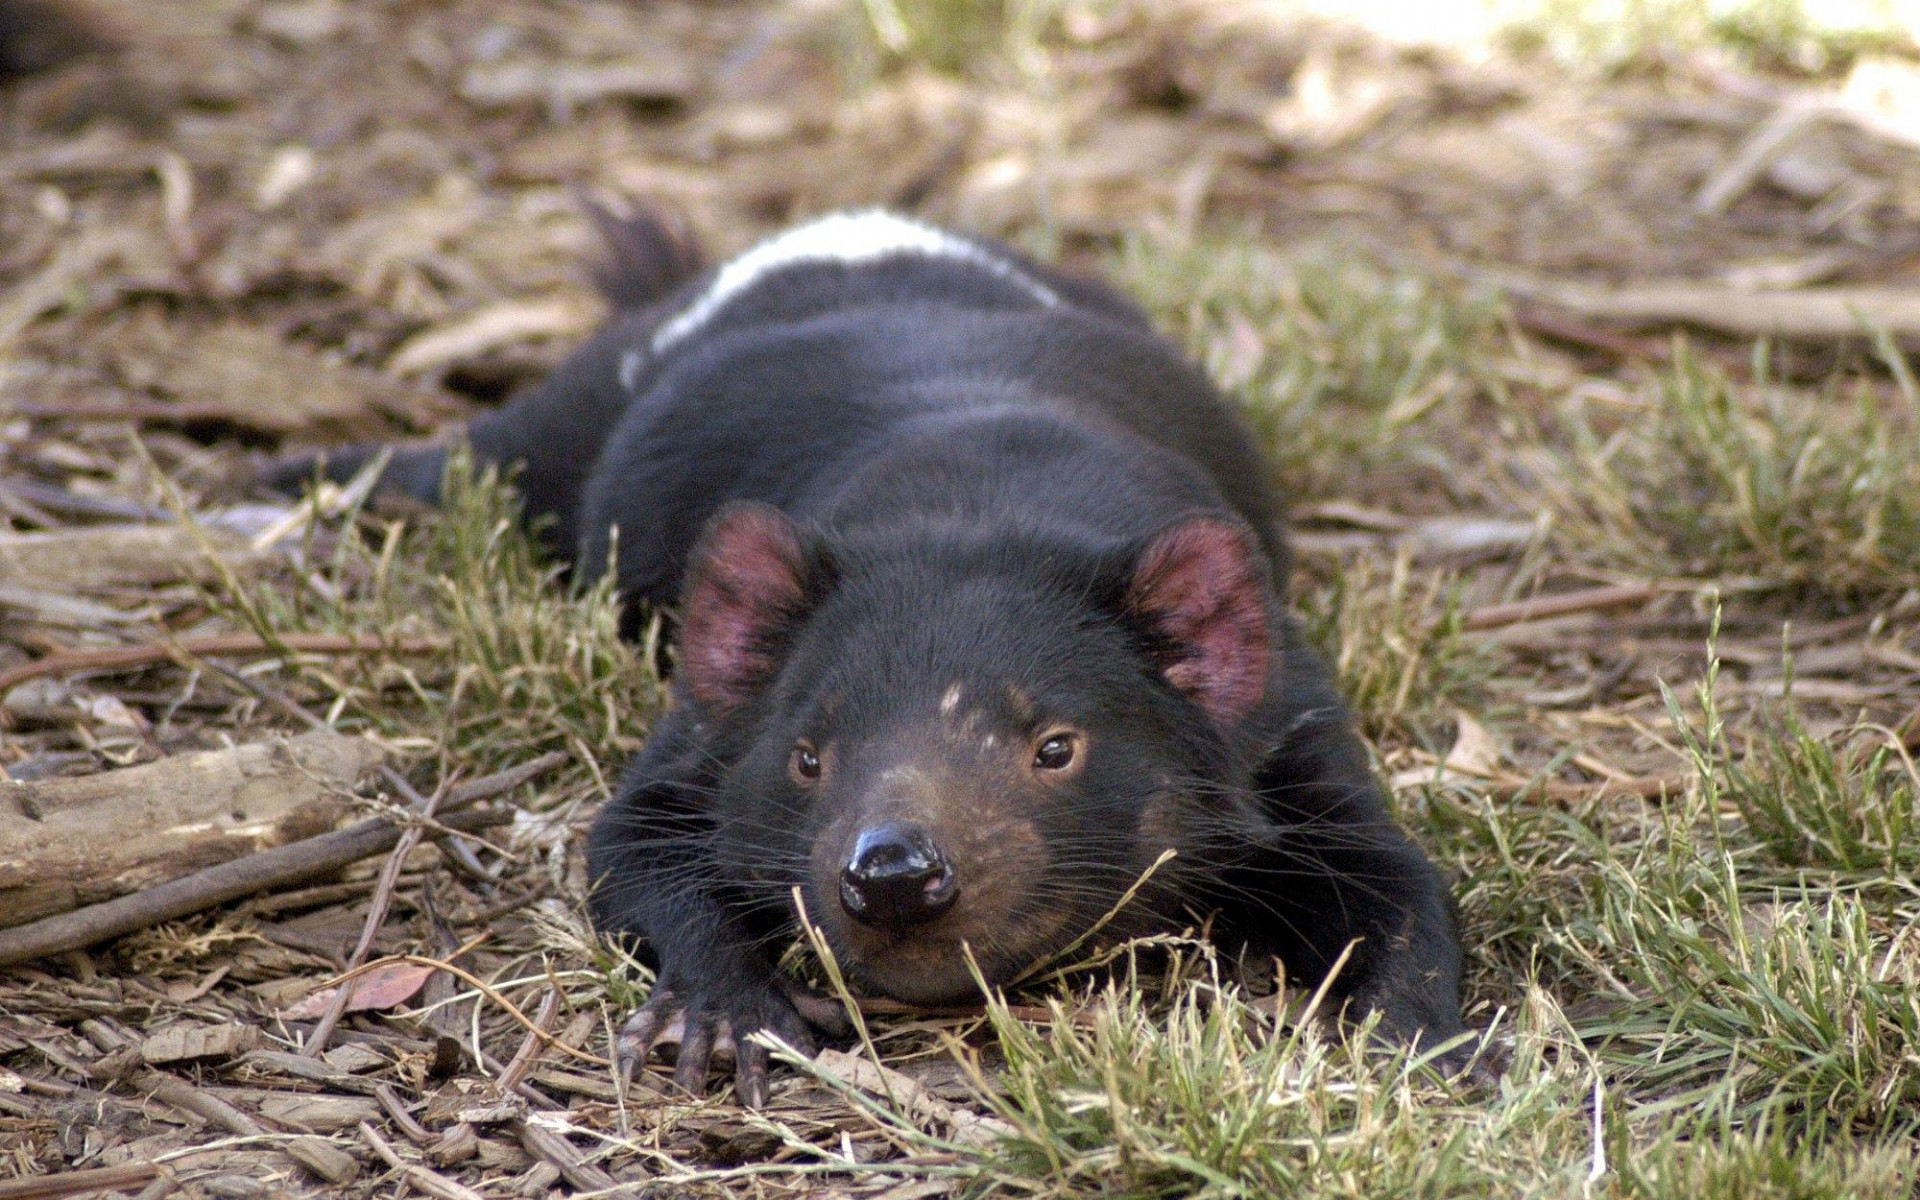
point(392, 185)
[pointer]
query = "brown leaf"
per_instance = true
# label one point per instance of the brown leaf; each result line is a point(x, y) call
point(382, 987)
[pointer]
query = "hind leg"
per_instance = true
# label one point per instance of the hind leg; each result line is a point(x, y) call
point(551, 435)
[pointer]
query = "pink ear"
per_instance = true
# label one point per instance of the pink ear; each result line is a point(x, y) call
point(748, 576)
point(1202, 585)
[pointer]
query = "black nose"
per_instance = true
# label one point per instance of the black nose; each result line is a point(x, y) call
point(896, 877)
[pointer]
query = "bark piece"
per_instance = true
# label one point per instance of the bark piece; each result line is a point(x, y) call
point(324, 1159)
point(69, 842)
point(1811, 314)
point(113, 555)
point(179, 1043)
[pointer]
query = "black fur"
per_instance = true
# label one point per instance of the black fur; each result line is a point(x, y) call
point(36, 35)
point(975, 479)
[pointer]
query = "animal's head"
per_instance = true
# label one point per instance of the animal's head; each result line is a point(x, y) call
point(977, 741)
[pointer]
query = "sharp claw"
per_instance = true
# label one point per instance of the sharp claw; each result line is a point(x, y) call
point(711, 1032)
point(696, 1055)
point(750, 1074)
point(639, 1034)
point(724, 1046)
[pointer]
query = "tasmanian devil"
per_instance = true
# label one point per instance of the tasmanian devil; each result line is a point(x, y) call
point(979, 601)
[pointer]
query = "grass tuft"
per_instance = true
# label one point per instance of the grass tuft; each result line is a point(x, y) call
point(532, 664)
point(1757, 482)
point(1393, 635)
point(1846, 806)
point(1345, 369)
point(1795, 37)
point(961, 37)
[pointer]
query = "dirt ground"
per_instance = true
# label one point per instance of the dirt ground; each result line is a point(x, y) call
point(257, 223)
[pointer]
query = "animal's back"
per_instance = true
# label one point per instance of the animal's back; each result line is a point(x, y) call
point(777, 374)
point(785, 372)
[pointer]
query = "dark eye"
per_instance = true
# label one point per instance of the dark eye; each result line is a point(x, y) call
point(1055, 753)
point(805, 763)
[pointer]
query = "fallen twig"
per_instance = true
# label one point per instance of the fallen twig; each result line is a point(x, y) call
point(420, 1178)
point(1564, 604)
point(402, 1119)
point(1651, 787)
point(376, 916)
point(549, 1147)
point(75, 1183)
point(115, 657)
point(1562, 326)
point(532, 1046)
point(283, 865)
point(1759, 148)
point(1814, 313)
point(69, 842)
point(484, 988)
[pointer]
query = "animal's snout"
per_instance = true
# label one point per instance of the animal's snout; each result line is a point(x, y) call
point(897, 876)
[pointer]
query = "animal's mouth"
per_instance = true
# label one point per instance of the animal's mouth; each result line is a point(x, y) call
point(945, 961)
point(924, 969)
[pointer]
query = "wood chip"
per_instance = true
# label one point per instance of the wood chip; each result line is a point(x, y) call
point(302, 1110)
point(313, 1070)
point(455, 1144)
point(179, 1043)
point(968, 1128)
point(324, 1159)
point(549, 1146)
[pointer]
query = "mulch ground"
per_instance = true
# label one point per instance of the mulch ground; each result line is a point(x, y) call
point(252, 224)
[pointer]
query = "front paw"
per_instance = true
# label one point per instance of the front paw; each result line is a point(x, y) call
point(709, 1019)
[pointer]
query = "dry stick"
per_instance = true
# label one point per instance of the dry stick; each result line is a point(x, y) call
point(1808, 314)
point(74, 1183)
point(1651, 787)
point(113, 657)
point(462, 852)
point(168, 1089)
point(187, 1098)
point(534, 1043)
point(419, 1178)
point(296, 862)
point(1564, 328)
point(564, 1157)
point(397, 1110)
point(159, 1189)
point(279, 867)
point(1564, 604)
point(376, 917)
point(479, 985)
point(289, 706)
point(544, 1144)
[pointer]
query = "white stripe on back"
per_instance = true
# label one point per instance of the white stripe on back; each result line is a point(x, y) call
point(848, 237)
